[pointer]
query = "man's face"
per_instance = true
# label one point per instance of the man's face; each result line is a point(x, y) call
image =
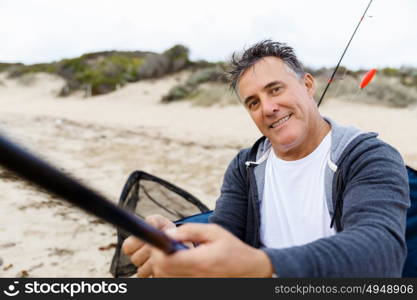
point(280, 104)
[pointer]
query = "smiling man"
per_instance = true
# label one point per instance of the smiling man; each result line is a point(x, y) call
point(310, 198)
point(282, 106)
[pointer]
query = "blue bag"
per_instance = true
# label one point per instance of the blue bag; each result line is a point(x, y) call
point(410, 266)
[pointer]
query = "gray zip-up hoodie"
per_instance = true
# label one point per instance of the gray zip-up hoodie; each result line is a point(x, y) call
point(367, 194)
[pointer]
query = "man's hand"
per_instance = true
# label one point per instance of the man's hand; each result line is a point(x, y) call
point(139, 251)
point(220, 254)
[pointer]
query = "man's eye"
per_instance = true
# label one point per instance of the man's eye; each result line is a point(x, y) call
point(275, 90)
point(252, 104)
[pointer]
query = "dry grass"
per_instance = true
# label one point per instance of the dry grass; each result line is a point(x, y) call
point(207, 87)
point(383, 90)
point(213, 94)
point(28, 79)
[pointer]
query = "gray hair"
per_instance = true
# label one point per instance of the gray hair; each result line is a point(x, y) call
point(240, 63)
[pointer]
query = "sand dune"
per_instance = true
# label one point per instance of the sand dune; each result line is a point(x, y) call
point(101, 140)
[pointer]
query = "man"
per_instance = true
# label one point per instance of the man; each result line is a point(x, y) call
point(309, 199)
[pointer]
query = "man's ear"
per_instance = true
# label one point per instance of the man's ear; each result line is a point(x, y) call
point(310, 84)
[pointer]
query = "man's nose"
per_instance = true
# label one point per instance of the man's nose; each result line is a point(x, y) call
point(269, 106)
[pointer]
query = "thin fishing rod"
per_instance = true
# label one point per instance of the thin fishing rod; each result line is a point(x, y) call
point(37, 171)
point(343, 54)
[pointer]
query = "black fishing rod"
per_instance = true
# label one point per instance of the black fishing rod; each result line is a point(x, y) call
point(343, 54)
point(37, 171)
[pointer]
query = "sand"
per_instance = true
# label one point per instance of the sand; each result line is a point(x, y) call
point(101, 140)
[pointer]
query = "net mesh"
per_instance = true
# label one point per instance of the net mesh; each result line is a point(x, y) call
point(146, 194)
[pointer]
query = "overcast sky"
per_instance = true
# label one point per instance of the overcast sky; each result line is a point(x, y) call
point(46, 30)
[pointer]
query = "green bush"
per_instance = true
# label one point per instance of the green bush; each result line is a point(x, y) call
point(103, 75)
point(103, 72)
point(178, 55)
point(7, 66)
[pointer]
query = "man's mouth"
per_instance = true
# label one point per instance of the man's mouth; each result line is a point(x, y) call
point(280, 121)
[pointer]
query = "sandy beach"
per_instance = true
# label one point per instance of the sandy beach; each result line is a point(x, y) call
point(101, 140)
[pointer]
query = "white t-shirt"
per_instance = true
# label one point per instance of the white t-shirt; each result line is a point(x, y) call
point(294, 208)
